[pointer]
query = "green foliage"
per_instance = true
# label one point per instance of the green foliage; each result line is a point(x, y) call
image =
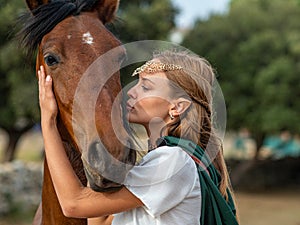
point(143, 20)
point(18, 106)
point(255, 49)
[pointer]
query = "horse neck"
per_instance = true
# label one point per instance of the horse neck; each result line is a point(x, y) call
point(72, 150)
point(51, 210)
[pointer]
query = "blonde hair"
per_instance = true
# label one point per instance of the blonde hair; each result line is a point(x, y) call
point(195, 82)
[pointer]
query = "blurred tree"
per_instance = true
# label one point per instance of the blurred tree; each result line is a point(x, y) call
point(255, 49)
point(143, 20)
point(18, 106)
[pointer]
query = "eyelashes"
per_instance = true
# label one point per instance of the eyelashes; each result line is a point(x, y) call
point(145, 88)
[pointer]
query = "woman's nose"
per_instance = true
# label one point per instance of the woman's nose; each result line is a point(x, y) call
point(132, 92)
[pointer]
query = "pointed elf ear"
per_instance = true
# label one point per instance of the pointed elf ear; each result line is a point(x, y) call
point(179, 106)
point(33, 4)
point(106, 10)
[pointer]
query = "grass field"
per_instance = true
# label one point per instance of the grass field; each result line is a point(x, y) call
point(265, 208)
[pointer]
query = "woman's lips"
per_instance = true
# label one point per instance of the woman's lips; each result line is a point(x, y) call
point(129, 107)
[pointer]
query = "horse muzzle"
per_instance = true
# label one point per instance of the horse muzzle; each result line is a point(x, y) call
point(104, 171)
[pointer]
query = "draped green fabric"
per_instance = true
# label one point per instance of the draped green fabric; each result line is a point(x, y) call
point(215, 209)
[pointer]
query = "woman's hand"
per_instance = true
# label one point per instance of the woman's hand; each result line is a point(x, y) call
point(47, 100)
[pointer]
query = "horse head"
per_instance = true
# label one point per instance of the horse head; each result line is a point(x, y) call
point(70, 36)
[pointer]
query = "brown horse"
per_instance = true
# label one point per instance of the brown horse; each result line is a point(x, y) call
point(70, 35)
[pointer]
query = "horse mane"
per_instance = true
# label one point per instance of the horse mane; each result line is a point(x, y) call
point(40, 21)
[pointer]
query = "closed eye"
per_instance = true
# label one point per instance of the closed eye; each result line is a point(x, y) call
point(145, 88)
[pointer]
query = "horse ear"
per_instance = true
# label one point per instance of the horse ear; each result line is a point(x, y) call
point(107, 10)
point(33, 4)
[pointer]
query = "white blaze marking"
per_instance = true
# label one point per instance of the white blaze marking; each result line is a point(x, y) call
point(87, 38)
point(69, 36)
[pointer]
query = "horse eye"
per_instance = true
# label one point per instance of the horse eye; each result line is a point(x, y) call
point(50, 60)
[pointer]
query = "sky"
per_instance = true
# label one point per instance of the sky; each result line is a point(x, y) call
point(198, 8)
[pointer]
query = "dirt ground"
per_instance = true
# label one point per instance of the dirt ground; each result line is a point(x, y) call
point(269, 208)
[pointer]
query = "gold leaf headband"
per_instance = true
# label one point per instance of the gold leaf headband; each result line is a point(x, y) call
point(154, 67)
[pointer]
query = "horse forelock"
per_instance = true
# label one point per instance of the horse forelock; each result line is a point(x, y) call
point(40, 21)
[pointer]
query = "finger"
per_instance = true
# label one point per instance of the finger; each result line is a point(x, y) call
point(39, 74)
point(42, 69)
point(44, 90)
point(43, 81)
point(48, 83)
point(42, 72)
point(40, 85)
point(48, 87)
point(39, 78)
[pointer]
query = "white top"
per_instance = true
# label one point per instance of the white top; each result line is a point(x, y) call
point(167, 182)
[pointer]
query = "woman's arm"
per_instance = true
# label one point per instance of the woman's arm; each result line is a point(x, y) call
point(75, 199)
point(103, 220)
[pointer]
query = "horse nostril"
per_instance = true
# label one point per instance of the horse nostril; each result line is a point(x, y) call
point(97, 182)
point(93, 154)
point(105, 171)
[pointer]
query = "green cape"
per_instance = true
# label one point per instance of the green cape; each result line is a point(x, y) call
point(215, 209)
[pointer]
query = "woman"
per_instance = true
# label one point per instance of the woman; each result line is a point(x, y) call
point(172, 100)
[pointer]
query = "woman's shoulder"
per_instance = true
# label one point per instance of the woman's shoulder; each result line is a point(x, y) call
point(166, 153)
point(164, 162)
point(168, 158)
